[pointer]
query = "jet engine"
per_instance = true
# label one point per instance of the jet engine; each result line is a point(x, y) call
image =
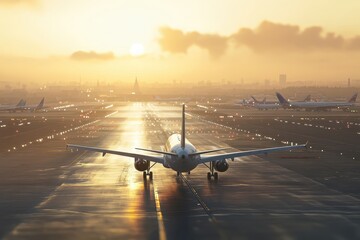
point(141, 164)
point(221, 166)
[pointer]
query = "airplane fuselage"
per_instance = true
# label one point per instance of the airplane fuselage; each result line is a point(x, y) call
point(182, 162)
point(319, 105)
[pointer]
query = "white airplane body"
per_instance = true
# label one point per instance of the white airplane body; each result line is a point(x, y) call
point(316, 105)
point(263, 105)
point(182, 156)
point(14, 108)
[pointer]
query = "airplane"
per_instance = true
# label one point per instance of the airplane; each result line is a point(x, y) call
point(14, 108)
point(259, 102)
point(182, 156)
point(306, 99)
point(35, 108)
point(316, 105)
point(264, 105)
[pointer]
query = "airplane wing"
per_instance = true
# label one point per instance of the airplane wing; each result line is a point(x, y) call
point(157, 159)
point(205, 159)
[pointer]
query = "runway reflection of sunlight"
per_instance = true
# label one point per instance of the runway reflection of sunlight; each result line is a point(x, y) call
point(131, 127)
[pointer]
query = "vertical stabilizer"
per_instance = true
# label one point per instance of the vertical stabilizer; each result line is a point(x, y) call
point(353, 98)
point(308, 98)
point(21, 103)
point(183, 127)
point(282, 100)
point(41, 104)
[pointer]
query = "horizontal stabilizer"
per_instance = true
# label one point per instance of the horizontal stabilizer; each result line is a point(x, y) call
point(209, 151)
point(156, 151)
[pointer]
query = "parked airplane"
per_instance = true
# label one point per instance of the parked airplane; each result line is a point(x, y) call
point(14, 108)
point(181, 156)
point(264, 105)
point(316, 105)
point(257, 101)
point(35, 108)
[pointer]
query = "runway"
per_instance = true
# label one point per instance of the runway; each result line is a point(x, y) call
point(48, 192)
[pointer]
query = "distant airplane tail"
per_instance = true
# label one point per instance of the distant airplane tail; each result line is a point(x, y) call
point(353, 98)
point(282, 100)
point(258, 102)
point(41, 104)
point(183, 127)
point(308, 98)
point(21, 103)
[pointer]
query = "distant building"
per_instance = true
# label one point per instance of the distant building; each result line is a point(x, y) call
point(136, 88)
point(282, 79)
point(349, 85)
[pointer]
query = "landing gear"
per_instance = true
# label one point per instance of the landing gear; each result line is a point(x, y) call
point(216, 176)
point(148, 173)
point(212, 173)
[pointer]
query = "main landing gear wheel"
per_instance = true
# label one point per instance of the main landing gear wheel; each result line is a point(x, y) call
point(215, 175)
point(212, 172)
point(150, 174)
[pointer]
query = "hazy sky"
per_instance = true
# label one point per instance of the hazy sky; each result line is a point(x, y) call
point(184, 40)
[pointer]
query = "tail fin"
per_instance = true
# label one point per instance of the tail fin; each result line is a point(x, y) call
point(183, 127)
point(21, 103)
point(41, 104)
point(353, 98)
point(282, 100)
point(308, 98)
point(256, 101)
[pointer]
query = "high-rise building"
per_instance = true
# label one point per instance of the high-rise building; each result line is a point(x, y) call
point(349, 83)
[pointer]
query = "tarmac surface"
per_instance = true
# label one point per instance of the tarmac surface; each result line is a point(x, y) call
point(48, 192)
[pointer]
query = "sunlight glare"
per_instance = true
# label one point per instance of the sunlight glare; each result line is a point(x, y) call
point(137, 49)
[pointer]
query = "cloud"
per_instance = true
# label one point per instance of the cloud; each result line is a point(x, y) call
point(31, 3)
point(91, 55)
point(177, 41)
point(274, 36)
point(267, 37)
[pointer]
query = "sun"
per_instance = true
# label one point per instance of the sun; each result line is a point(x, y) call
point(137, 49)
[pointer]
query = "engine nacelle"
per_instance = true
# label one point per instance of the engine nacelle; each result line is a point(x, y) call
point(221, 166)
point(141, 164)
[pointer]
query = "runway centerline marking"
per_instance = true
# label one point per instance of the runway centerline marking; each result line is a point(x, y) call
point(212, 218)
